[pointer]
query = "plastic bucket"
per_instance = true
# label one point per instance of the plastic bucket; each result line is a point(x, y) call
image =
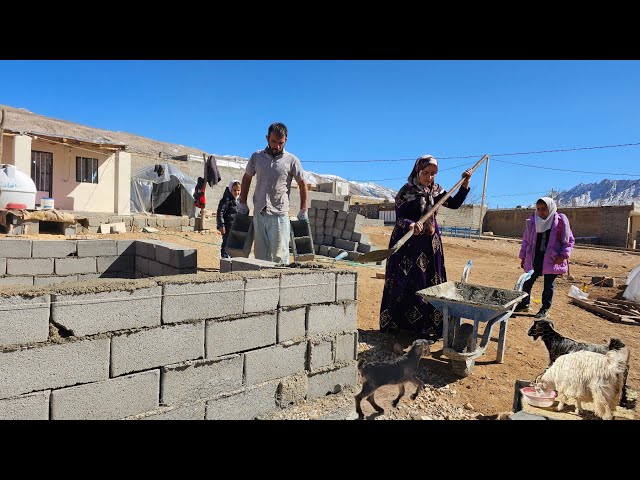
point(46, 203)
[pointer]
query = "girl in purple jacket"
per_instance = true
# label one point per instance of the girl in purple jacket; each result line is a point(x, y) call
point(547, 243)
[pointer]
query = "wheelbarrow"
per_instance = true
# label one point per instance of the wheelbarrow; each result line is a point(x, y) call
point(489, 305)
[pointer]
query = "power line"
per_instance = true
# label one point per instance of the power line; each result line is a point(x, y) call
point(571, 171)
point(516, 194)
point(402, 178)
point(575, 149)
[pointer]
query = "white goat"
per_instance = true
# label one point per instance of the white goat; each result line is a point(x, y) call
point(587, 376)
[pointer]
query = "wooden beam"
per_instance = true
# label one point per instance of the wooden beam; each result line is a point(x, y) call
point(596, 309)
point(621, 302)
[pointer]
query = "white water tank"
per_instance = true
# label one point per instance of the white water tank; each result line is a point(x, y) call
point(16, 187)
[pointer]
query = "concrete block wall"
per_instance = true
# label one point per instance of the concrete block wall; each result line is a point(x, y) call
point(207, 346)
point(607, 225)
point(44, 262)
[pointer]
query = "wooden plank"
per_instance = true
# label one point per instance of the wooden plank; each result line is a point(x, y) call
point(596, 309)
point(621, 302)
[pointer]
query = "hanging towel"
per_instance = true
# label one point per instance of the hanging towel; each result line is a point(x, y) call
point(213, 174)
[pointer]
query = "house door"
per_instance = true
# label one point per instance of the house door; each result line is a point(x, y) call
point(42, 173)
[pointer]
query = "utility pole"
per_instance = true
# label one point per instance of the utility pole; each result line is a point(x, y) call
point(484, 189)
point(1, 134)
point(203, 210)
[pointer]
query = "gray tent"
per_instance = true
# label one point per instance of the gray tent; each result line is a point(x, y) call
point(162, 189)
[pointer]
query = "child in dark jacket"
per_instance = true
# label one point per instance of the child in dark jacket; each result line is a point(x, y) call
point(227, 209)
point(547, 243)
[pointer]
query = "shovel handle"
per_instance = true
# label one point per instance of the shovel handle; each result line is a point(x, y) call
point(422, 219)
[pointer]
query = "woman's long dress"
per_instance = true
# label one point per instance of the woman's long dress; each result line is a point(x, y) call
point(418, 264)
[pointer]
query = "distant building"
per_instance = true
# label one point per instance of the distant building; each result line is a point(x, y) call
point(337, 187)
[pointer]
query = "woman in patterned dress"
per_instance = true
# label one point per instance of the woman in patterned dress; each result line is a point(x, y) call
point(419, 263)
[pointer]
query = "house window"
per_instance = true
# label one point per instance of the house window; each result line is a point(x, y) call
point(86, 170)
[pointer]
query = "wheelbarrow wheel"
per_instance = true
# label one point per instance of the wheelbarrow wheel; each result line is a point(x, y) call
point(462, 368)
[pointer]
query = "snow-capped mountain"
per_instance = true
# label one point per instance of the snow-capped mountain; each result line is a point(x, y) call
point(365, 189)
point(607, 192)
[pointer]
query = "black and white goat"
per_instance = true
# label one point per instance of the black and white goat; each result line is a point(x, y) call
point(558, 345)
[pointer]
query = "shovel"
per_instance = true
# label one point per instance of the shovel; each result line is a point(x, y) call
point(379, 255)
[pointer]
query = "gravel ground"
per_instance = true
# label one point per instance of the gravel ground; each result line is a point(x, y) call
point(434, 402)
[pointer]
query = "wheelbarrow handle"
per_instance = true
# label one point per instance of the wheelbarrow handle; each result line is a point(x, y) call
point(431, 212)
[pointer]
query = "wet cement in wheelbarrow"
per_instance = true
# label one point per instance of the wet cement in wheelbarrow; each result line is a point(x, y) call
point(469, 293)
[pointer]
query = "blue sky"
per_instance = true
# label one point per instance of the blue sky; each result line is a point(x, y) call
point(346, 110)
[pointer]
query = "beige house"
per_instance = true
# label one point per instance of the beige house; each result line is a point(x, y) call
point(78, 174)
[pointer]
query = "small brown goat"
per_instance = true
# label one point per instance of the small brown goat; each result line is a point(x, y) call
point(395, 372)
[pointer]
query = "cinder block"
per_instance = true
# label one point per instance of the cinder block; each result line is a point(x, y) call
point(346, 285)
point(333, 381)
point(195, 411)
point(364, 248)
point(24, 319)
point(156, 347)
point(340, 222)
point(240, 334)
point(346, 347)
point(99, 312)
point(274, 362)
point(307, 288)
point(316, 248)
point(200, 379)
point(346, 235)
point(291, 323)
point(337, 232)
point(29, 266)
point(318, 239)
point(195, 301)
point(324, 250)
point(332, 318)
point(246, 405)
point(155, 268)
point(111, 399)
point(53, 248)
point(241, 264)
point(32, 406)
point(261, 294)
point(347, 245)
point(360, 237)
point(88, 276)
point(126, 219)
point(71, 265)
point(312, 212)
point(16, 280)
point(338, 205)
point(329, 221)
point(320, 354)
point(3, 266)
point(54, 280)
point(126, 247)
point(53, 366)
point(353, 227)
point(97, 248)
point(169, 270)
point(342, 215)
point(115, 264)
point(321, 213)
point(171, 222)
point(355, 218)
point(328, 231)
point(319, 204)
point(225, 265)
point(15, 248)
point(319, 229)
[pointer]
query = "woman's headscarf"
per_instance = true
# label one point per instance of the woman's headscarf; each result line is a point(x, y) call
point(542, 225)
point(413, 189)
point(230, 186)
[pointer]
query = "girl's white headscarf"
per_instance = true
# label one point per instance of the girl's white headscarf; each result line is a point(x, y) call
point(542, 225)
point(230, 186)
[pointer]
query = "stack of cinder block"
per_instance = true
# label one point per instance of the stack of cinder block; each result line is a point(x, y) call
point(337, 230)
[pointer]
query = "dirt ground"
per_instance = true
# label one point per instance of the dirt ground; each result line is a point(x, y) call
point(489, 390)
